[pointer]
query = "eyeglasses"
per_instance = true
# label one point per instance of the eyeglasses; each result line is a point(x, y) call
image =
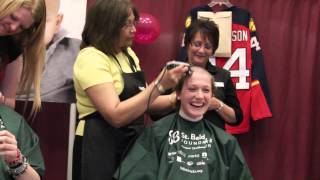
point(198, 44)
point(130, 24)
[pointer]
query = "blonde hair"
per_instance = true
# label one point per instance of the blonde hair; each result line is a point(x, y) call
point(32, 45)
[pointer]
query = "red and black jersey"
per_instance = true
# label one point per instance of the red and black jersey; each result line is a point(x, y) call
point(245, 65)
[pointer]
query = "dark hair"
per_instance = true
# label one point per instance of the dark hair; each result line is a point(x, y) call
point(104, 21)
point(207, 29)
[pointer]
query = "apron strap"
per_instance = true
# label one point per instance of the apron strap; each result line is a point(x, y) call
point(131, 62)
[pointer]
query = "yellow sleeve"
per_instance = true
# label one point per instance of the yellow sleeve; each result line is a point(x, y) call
point(92, 67)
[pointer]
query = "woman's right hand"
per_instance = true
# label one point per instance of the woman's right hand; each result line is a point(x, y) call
point(170, 78)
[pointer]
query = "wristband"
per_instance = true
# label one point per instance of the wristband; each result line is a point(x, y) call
point(17, 171)
point(18, 161)
point(159, 87)
point(220, 107)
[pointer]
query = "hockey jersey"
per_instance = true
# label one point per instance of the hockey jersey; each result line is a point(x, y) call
point(245, 65)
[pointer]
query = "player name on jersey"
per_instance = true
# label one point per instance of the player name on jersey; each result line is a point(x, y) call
point(239, 35)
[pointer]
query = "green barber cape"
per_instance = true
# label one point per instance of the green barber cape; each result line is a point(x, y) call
point(176, 149)
point(28, 141)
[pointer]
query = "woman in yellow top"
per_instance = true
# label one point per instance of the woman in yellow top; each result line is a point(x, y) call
point(111, 91)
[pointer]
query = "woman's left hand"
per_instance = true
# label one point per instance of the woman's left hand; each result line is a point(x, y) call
point(214, 103)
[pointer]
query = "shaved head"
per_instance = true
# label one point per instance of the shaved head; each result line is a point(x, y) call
point(53, 20)
point(52, 7)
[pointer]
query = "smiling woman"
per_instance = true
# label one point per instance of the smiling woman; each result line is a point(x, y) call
point(185, 145)
point(17, 22)
point(195, 94)
point(201, 40)
point(22, 26)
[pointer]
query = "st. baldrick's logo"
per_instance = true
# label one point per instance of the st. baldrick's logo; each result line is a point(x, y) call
point(174, 137)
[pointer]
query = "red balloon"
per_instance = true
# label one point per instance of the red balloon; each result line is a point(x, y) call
point(148, 29)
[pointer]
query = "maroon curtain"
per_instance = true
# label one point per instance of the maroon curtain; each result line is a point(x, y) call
point(52, 126)
point(286, 146)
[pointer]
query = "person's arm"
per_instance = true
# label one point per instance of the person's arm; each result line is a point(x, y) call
point(120, 113)
point(164, 104)
point(30, 174)
point(12, 156)
point(230, 109)
point(10, 82)
point(225, 111)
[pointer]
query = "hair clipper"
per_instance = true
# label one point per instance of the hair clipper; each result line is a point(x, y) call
point(173, 64)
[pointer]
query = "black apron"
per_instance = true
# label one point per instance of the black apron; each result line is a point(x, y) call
point(100, 150)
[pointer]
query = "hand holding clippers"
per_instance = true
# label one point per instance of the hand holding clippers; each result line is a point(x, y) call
point(173, 64)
